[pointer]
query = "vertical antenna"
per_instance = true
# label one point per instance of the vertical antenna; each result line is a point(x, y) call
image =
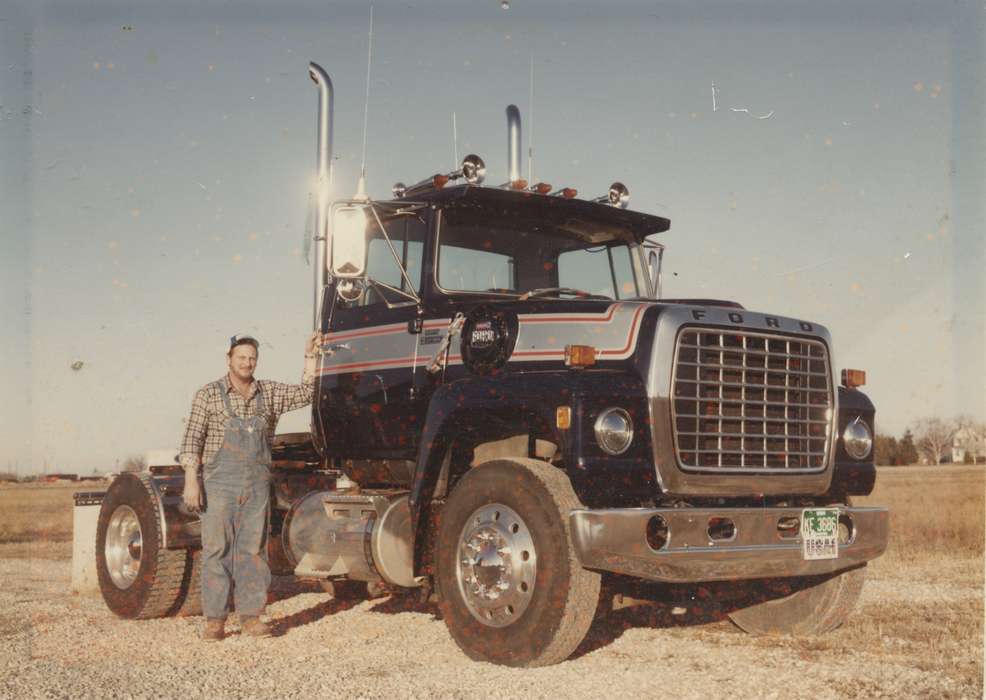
point(455, 145)
point(361, 184)
point(530, 139)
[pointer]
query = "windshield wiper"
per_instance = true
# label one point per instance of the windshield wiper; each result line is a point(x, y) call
point(544, 291)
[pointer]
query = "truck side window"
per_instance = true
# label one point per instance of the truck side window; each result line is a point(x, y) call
point(600, 270)
point(407, 236)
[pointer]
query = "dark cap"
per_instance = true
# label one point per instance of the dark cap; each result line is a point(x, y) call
point(243, 339)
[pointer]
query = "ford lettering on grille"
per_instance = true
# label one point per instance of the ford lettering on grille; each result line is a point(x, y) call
point(751, 402)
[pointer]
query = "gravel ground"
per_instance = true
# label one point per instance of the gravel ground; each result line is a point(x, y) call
point(57, 644)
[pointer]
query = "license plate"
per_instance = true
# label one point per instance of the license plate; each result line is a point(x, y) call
point(820, 533)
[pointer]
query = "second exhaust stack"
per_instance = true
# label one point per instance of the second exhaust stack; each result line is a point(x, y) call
point(513, 146)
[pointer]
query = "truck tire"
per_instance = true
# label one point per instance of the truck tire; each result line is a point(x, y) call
point(511, 588)
point(190, 600)
point(138, 577)
point(817, 605)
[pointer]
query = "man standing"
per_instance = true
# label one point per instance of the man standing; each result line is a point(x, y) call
point(229, 434)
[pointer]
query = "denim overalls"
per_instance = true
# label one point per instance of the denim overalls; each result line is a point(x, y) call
point(234, 525)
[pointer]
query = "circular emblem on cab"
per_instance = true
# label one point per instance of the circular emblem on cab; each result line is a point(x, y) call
point(488, 338)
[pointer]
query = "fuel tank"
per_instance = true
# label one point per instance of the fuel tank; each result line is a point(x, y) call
point(364, 536)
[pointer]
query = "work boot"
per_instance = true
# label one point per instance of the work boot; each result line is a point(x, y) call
point(214, 630)
point(254, 626)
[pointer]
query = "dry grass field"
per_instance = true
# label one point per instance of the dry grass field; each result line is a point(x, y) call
point(36, 519)
point(922, 606)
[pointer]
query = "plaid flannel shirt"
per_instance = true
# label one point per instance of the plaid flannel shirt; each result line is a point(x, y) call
point(207, 421)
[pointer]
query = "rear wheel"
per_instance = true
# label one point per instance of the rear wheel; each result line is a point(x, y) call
point(190, 600)
point(138, 577)
point(802, 606)
point(512, 590)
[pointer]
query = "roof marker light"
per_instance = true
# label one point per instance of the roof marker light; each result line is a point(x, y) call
point(566, 192)
point(541, 188)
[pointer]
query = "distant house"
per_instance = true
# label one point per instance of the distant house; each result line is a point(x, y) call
point(969, 442)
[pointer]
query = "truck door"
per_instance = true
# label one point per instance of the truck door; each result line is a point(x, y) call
point(366, 380)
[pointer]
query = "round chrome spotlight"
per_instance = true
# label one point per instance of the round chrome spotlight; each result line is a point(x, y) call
point(619, 195)
point(473, 169)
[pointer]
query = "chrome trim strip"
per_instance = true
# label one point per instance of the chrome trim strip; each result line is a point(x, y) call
point(615, 540)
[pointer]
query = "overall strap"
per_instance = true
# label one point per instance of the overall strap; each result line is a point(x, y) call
point(260, 398)
point(225, 395)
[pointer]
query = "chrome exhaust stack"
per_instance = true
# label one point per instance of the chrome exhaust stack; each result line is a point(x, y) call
point(323, 182)
point(513, 149)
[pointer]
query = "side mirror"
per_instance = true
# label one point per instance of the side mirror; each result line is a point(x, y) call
point(348, 242)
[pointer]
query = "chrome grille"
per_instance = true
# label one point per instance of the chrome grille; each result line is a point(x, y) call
point(750, 402)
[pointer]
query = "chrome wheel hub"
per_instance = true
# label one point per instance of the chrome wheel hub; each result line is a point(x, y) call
point(124, 545)
point(496, 565)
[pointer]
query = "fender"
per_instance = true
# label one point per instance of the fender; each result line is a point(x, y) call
point(849, 476)
point(475, 410)
point(478, 409)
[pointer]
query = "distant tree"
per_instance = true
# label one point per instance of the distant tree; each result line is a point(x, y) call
point(885, 449)
point(133, 463)
point(934, 438)
point(907, 452)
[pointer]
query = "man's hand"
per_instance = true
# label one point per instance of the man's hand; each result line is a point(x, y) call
point(192, 495)
point(314, 344)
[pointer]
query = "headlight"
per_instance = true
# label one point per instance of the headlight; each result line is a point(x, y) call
point(857, 439)
point(614, 430)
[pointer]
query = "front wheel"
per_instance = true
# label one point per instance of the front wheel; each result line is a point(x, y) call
point(512, 590)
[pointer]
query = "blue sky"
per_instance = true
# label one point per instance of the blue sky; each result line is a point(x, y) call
point(156, 165)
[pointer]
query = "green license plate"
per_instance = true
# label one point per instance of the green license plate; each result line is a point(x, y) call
point(820, 533)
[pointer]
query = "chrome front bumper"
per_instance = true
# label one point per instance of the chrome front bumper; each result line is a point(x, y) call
point(616, 540)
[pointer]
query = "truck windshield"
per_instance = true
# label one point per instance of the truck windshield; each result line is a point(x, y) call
point(482, 250)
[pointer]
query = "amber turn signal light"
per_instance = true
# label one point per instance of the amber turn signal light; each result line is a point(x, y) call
point(563, 417)
point(580, 356)
point(852, 378)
